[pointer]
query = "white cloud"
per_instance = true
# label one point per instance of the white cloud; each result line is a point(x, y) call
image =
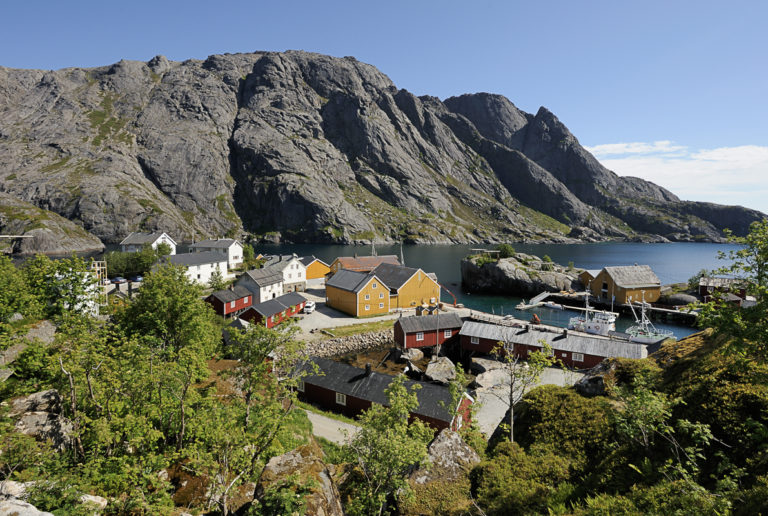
point(725, 175)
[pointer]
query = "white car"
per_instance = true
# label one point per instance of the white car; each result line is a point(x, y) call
point(309, 307)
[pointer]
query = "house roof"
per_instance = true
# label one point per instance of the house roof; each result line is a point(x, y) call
point(188, 259)
point(137, 238)
point(264, 277)
point(351, 281)
point(394, 276)
point(560, 341)
point(416, 323)
point(352, 381)
point(279, 261)
point(227, 295)
point(308, 260)
point(723, 283)
point(365, 263)
point(591, 272)
point(633, 276)
point(275, 306)
point(219, 243)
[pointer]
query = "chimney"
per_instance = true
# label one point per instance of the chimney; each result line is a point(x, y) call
point(232, 287)
point(368, 369)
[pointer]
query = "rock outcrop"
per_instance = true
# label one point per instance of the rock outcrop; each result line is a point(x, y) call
point(448, 458)
point(440, 370)
point(305, 465)
point(305, 147)
point(523, 275)
point(14, 507)
point(39, 415)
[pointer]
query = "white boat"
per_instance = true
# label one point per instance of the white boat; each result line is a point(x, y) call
point(597, 323)
point(552, 305)
point(644, 332)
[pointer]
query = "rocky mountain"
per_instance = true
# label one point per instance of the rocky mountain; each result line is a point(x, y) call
point(306, 147)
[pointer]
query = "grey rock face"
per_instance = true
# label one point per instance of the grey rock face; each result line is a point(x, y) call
point(441, 370)
point(46, 425)
point(449, 458)
point(482, 365)
point(15, 507)
point(305, 147)
point(522, 275)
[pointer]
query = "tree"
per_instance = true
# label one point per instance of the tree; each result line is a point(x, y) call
point(61, 285)
point(506, 251)
point(747, 327)
point(14, 295)
point(216, 282)
point(523, 374)
point(385, 448)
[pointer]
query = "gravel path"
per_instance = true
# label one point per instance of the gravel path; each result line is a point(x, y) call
point(331, 429)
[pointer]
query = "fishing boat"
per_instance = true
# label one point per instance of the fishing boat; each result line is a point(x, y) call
point(553, 306)
point(597, 323)
point(644, 332)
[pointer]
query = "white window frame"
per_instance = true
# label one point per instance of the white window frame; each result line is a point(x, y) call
point(419, 336)
point(474, 340)
point(373, 285)
point(447, 334)
point(367, 307)
point(232, 304)
point(577, 357)
point(300, 386)
point(381, 305)
point(367, 297)
point(381, 295)
point(341, 399)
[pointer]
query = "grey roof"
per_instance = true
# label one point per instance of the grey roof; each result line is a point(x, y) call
point(264, 277)
point(716, 282)
point(226, 295)
point(219, 243)
point(352, 381)
point(416, 323)
point(280, 260)
point(306, 260)
point(351, 281)
point(143, 238)
point(592, 272)
point(633, 276)
point(394, 276)
point(196, 258)
point(275, 306)
point(560, 341)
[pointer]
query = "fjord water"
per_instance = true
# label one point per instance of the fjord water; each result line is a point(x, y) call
point(672, 263)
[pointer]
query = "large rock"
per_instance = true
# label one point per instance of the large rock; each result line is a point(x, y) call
point(304, 464)
point(481, 365)
point(492, 378)
point(299, 146)
point(449, 457)
point(523, 274)
point(412, 355)
point(441, 370)
point(46, 425)
point(43, 401)
point(18, 508)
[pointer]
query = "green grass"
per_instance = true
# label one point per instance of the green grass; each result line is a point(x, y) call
point(58, 165)
point(367, 327)
point(331, 415)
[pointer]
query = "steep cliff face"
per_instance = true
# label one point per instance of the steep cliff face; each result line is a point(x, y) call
point(315, 148)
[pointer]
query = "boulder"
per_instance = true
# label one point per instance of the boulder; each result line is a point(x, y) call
point(593, 382)
point(492, 378)
point(482, 365)
point(449, 457)
point(43, 401)
point(440, 369)
point(680, 299)
point(98, 503)
point(46, 425)
point(412, 355)
point(43, 331)
point(304, 463)
point(18, 508)
point(11, 489)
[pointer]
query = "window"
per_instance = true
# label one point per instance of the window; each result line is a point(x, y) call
point(367, 297)
point(578, 357)
point(447, 334)
point(232, 304)
point(246, 299)
point(475, 340)
point(367, 307)
point(381, 305)
point(420, 335)
point(373, 285)
point(381, 295)
point(300, 386)
point(341, 399)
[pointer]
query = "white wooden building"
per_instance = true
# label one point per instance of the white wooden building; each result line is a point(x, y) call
point(226, 246)
point(136, 241)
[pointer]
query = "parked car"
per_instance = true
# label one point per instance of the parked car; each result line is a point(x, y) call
point(309, 307)
point(137, 278)
point(119, 279)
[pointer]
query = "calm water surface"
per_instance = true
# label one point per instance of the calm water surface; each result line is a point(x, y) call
point(672, 263)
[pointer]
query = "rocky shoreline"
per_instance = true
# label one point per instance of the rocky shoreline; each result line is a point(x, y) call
point(521, 274)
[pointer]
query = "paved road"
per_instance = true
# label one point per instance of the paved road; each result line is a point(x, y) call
point(331, 429)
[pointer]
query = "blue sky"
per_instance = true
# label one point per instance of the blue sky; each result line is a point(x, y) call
point(672, 91)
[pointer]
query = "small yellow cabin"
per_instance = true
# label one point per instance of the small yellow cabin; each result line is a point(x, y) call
point(626, 284)
point(316, 268)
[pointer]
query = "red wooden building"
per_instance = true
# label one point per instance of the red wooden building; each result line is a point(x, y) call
point(350, 390)
point(578, 351)
point(230, 301)
point(420, 331)
point(275, 311)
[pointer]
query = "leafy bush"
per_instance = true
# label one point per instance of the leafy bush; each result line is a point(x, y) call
point(506, 251)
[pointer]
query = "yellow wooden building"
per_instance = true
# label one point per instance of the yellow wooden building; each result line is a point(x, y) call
point(358, 294)
point(625, 284)
point(408, 287)
point(316, 268)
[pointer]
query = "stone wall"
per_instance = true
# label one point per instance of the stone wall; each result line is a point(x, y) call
point(350, 344)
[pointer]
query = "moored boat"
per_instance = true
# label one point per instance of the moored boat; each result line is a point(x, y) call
point(597, 323)
point(644, 332)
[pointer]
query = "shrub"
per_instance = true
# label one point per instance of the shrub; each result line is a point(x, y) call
point(506, 251)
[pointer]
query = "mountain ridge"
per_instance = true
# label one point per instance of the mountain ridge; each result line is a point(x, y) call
point(306, 147)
